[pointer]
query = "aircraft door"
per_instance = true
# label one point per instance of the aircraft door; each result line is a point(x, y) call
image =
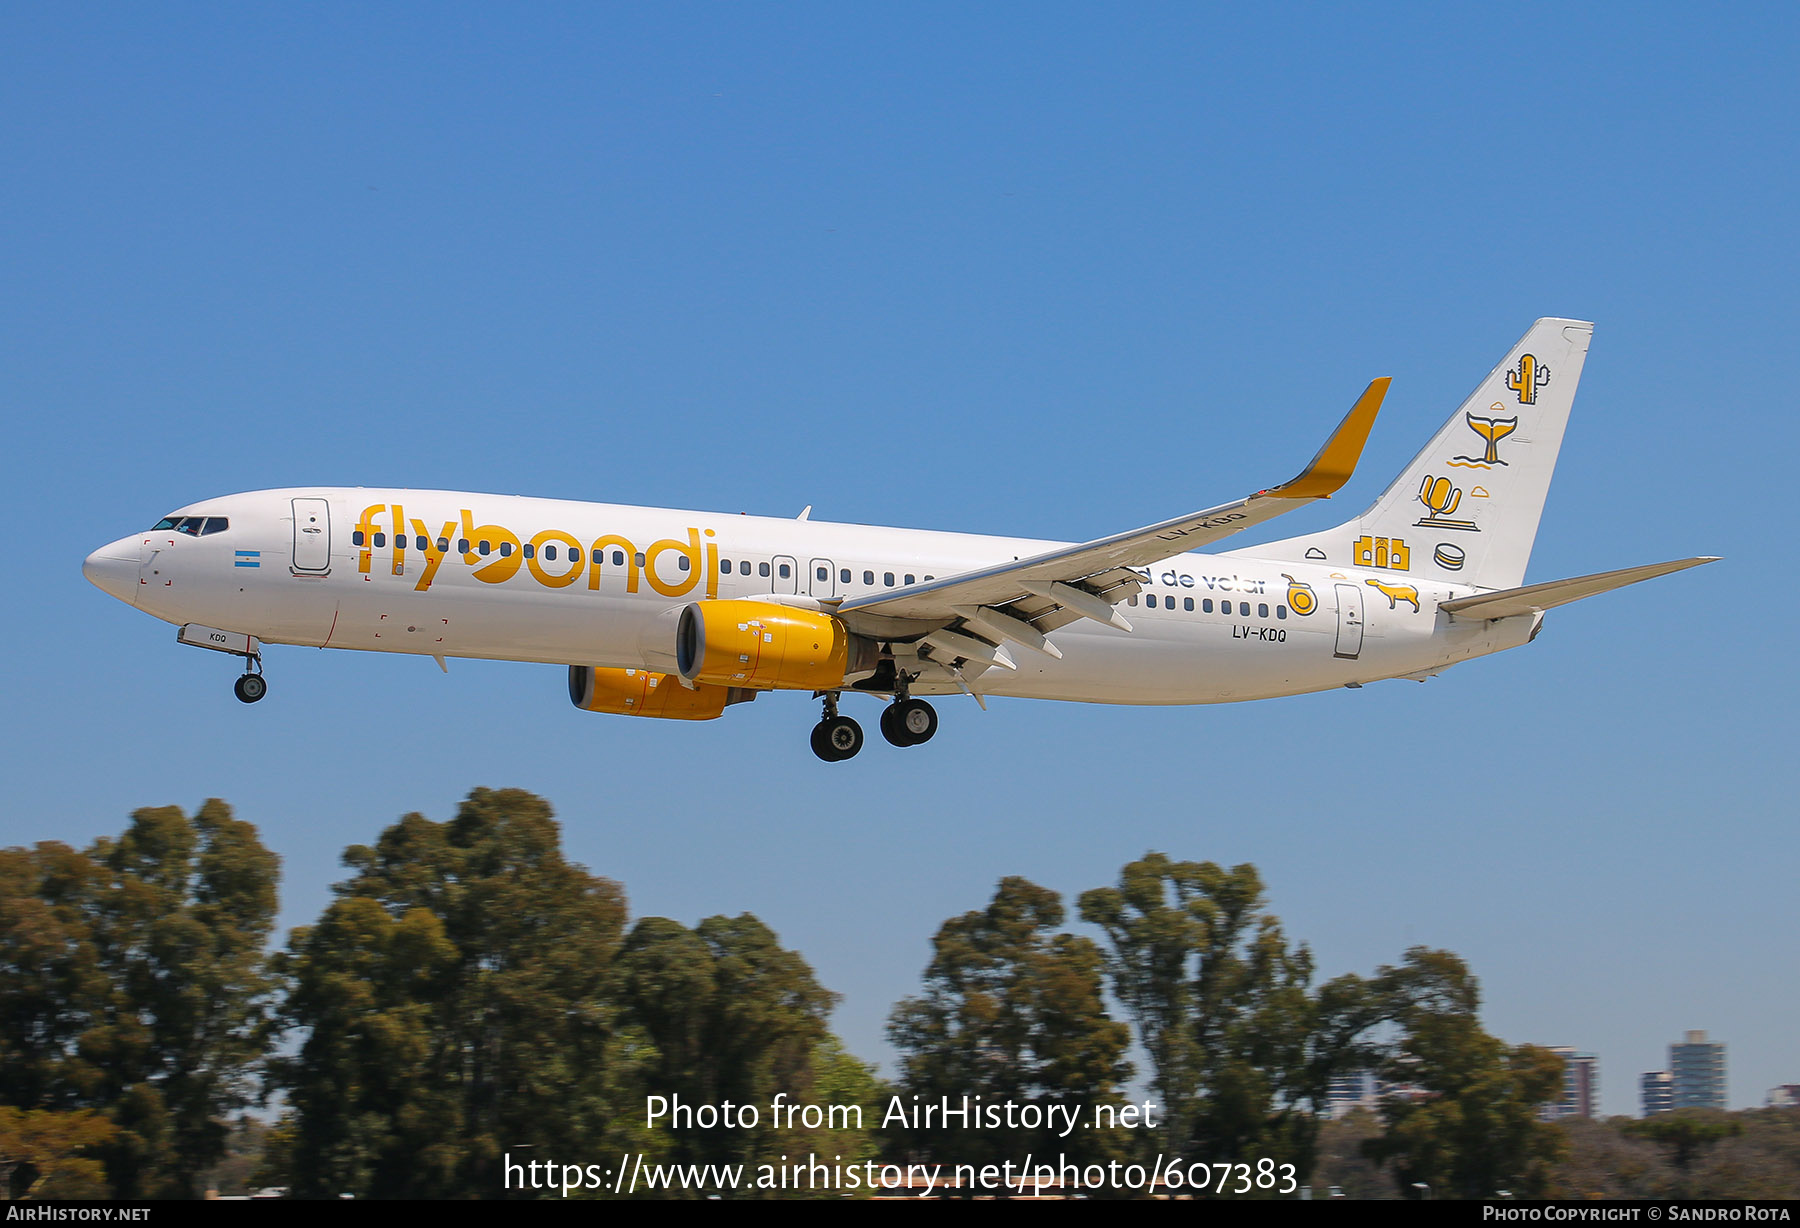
point(787, 575)
point(312, 537)
point(1350, 621)
point(821, 578)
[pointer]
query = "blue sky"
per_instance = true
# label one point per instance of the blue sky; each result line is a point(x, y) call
point(1044, 270)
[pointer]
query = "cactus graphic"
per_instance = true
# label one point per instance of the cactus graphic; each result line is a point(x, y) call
point(1439, 496)
point(1528, 379)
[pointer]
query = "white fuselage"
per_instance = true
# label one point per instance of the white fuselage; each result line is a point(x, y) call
point(522, 579)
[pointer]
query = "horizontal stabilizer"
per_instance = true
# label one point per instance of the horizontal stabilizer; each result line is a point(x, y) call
point(1533, 597)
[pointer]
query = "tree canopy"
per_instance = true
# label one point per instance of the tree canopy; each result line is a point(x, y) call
point(454, 1006)
point(132, 983)
point(1012, 1011)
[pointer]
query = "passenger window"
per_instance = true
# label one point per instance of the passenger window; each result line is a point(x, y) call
point(909, 579)
point(549, 553)
point(356, 538)
point(868, 577)
point(1131, 601)
point(744, 568)
point(480, 547)
point(506, 550)
point(1206, 605)
point(530, 550)
point(762, 569)
point(1262, 609)
point(1187, 603)
point(1244, 608)
point(638, 558)
point(421, 543)
point(599, 557)
point(462, 545)
point(824, 573)
point(1280, 611)
point(618, 558)
point(683, 563)
point(931, 577)
point(399, 541)
point(443, 545)
point(1150, 600)
point(843, 575)
point(786, 571)
point(380, 540)
point(724, 567)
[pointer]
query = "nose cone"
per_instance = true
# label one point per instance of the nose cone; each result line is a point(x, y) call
point(114, 569)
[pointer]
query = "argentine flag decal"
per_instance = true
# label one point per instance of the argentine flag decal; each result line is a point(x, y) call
point(249, 558)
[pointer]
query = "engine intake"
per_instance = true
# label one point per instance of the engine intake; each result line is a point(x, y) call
point(766, 647)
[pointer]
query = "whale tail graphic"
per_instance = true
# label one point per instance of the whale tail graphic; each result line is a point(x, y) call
point(1490, 464)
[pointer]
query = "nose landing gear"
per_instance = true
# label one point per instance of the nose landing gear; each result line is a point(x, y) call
point(251, 686)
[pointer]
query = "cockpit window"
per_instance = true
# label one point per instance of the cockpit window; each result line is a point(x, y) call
point(193, 526)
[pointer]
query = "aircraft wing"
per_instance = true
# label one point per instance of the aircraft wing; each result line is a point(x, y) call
point(965, 618)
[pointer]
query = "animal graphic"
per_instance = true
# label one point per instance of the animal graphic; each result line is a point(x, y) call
point(1396, 593)
point(1300, 597)
point(1493, 430)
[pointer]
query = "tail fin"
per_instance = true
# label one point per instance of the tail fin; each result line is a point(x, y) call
point(1466, 509)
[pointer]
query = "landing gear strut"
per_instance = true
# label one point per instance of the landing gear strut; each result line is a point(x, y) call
point(835, 737)
point(908, 722)
point(251, 686)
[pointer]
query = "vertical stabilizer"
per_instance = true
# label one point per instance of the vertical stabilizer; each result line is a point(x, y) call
point(1466, 509)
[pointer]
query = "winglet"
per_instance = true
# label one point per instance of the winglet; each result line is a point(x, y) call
point(1336, 461)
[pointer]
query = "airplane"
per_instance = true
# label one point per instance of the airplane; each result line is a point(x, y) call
point(681, 614)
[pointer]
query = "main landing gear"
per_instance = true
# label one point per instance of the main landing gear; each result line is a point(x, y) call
point(905, 722)
point(835, 737)
point(908, 722)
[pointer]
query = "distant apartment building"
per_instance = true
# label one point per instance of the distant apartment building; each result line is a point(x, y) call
point(1697, 1073)
point(1787, 1096)
point(1581, 1086)
point(1695, 1078)
point(1356, 1089)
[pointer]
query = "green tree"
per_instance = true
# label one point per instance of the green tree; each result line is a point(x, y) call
point(735, 1018)
point(1687, 1135)
point(1012, 1011)
point(456, 1006)
point(1464, 1122)
point(1601, 1160)
point(45, 1154)
point(132, 982)
point(1242, 1050)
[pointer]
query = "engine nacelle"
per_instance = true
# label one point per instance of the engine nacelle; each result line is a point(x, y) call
point(768, 647)
point(644, 692)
